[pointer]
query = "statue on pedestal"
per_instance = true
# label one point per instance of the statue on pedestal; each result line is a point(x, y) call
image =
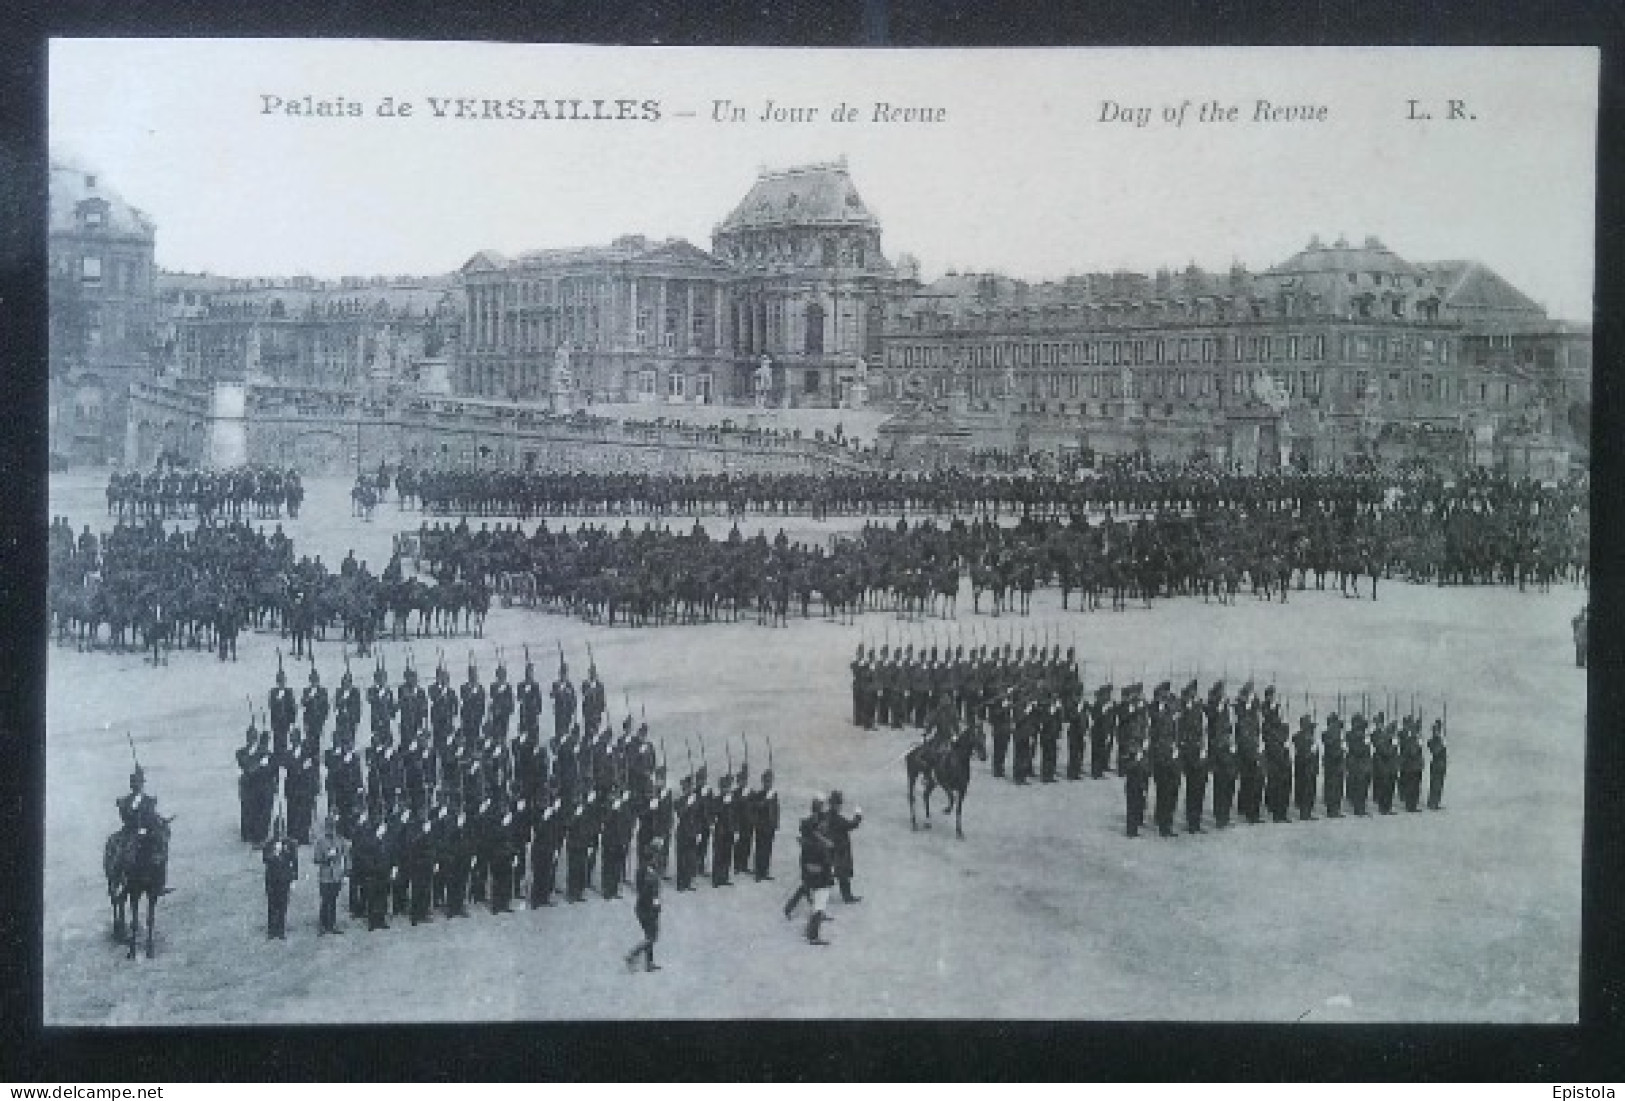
point(763, 381)
point(561, 381)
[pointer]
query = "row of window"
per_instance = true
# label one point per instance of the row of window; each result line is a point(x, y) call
point(1363, 386)
point(1242, 349)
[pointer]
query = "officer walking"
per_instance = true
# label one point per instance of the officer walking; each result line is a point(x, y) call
point(647, 908)
point(838, 828)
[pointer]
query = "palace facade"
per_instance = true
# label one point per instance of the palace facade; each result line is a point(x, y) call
point(102, 313)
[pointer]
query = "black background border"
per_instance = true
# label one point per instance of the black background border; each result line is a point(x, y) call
point(864, 1050)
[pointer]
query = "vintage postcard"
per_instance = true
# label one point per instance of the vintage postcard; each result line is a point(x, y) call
point(560, 532)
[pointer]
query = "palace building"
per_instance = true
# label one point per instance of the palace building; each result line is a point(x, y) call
point(102, 312)
point(796, 278)
point(1339, 349)
point(1333, 351)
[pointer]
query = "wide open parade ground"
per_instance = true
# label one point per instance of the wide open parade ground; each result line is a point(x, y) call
point(1045, 909)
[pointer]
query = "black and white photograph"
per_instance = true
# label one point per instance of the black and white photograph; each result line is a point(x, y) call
point(616, 533)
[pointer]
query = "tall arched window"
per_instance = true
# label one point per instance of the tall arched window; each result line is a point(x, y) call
point(815, 329)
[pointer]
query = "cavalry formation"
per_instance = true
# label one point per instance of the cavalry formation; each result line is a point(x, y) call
point(259, 491)
point(160, 588)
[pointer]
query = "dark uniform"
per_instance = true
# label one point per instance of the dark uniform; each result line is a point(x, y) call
point(544, 853)
point(647, 908)
point(1384, 765)
point(1193, 759)
point(1305, 768)
point(1436, 765)
point(839, 829)
point(1164, 764)
point(1136, 781)
point(314, 707)
point(1359, 766)
point(689, 811)
point(1102, 728)
point(1410, 765)
point(1249, 757)
point(1333, 759)
point(281, 858)
point(1221, 744)
point(765, 824)
point(724, 817)
point(283, 711)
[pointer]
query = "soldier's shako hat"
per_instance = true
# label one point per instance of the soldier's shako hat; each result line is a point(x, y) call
point(315, 677)
point(137, 776)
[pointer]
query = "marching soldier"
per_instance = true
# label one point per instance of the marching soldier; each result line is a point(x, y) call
point(839, 830)
point(283, 709)
point(861, 716)
point(443, 704)
point(765, 825)
point(1249, 756)
point(1026, 732)
point(1102, 727)
point(397, 840)
point(1193, 759)
point(267, 771)
point(1305, 768)
point(1001, 716)
point(1359, 766)
point(346, 707)
point(471, 706)
point(412, 703)
point(1222, 753)
point(617, 835)
point(1049, 740)
point(1136, 781)
point(1410, 763)
point(724, 821)
point(301, 787)
point(500, 837)
point(648, 906)
point(529, 698)
point(544, 852)
point(594, 703)
point(421, 850)
point(314, 705)
point(687, 811)
point(1333, 758)
point(1164, 760)
point(564, 704)
point(502, 702)
point(1436, 765)
point(579, 846)
point(372, 867)
point(1384, 765)
point(245, 781)
point(281, 858)
point(744, 817)
point(380, 705)
point(456, 860)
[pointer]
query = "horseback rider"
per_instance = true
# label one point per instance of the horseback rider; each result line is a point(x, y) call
point(139, 811)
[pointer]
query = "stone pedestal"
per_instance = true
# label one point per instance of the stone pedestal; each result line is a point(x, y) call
point(561, 401)
point(434, 377)
point(228, 426)
point(857, 395)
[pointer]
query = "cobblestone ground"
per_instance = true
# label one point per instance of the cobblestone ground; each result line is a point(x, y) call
point(1044, 910)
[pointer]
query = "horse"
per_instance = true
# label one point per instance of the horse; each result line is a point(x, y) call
point(136, 867)
point(949, 771)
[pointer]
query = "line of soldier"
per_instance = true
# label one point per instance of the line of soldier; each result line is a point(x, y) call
point(443, 808)
point(1258, 765)
point(1033, 698)
point(1195, 486)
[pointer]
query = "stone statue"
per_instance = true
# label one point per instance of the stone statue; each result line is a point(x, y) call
point(764, 381)
point(563, 379)
point(862, 366)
